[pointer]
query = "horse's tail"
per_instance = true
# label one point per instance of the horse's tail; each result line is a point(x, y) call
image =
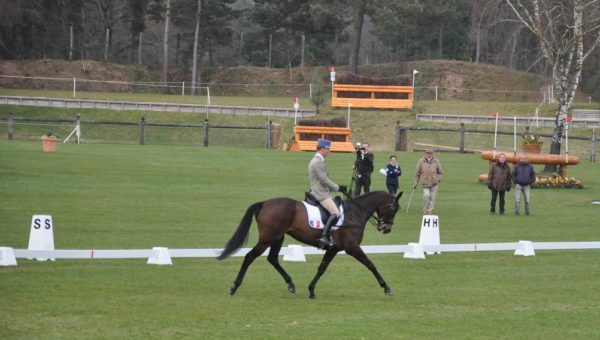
point(240, 236)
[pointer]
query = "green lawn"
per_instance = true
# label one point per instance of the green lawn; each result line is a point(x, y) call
point(131, 196)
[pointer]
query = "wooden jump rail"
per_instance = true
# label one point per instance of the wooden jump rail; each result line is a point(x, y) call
point(372, 96)
point(561, 160)
point(305, 138)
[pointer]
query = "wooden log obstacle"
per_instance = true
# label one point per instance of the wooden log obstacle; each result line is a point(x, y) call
point(372, 96)
point(561, 160)
point(305, 138)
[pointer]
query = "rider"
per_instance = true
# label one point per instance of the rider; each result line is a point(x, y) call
point(321, 187)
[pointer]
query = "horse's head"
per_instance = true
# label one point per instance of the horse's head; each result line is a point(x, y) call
point(386, 213)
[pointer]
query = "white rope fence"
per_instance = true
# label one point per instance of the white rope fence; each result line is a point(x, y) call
point(546, 94)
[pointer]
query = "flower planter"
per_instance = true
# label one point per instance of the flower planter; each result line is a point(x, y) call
point(49, 144)
point(532, 148)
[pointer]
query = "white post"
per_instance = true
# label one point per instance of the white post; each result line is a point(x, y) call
point(182, 88)
point(295, 115)
point(74, 87)
point(78, 131)
point(310, 91)
point(495, 136)
point(413, 84)
point(537, 117)
point(567, 144)
point(349, 105)
point(436, 93)
point(208, 96)
point(296, 106)
point(515, 135)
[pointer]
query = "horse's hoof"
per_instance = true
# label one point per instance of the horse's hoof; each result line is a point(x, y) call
point(388, 292)
point(231, 290)
point(292, 288)
point(312, 296)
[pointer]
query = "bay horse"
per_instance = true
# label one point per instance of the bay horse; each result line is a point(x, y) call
point(279, 216)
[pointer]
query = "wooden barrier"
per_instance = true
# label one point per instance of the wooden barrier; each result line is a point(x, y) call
point(372, 96)
point(305, 138)
point(561, 160)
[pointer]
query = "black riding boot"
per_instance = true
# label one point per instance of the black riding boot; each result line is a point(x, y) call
point(325, 239)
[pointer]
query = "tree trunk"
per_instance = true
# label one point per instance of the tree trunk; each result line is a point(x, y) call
point(478, 45)
point(567, 80)
point(140, 44)
point(302, 51)
point(196, 38)
point(270, 47)
point(106, 43)
point(166, 45)
point(356, 36)
point(441, 42)
point(335, 48)
point(177, 45)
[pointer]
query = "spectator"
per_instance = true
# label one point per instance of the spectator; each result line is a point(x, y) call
point(523, 176)
point(364, 168)
point(430, 169)
point(392, 172)
point(499, 181)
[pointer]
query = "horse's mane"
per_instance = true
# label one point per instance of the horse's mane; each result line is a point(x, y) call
point(368, 196)
point(361, 201)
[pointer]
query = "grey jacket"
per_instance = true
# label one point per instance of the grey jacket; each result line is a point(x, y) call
point(320, 184)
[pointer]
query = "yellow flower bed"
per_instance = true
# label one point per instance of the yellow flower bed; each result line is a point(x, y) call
point(557, 182)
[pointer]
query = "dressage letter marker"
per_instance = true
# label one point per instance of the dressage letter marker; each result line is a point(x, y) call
point(41, 234)
point(430, 232)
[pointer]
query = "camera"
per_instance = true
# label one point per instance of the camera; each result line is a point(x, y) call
point(359, 146)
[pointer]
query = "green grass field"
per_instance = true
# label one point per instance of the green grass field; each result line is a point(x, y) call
point(131, 196)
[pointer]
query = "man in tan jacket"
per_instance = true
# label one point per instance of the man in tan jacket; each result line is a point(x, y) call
point(321, 187)
point(429, 169)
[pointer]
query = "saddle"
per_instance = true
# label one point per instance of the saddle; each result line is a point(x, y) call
point(310, 199)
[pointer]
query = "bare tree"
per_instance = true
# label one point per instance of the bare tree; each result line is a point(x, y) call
point(561, 28)
point(482, 18)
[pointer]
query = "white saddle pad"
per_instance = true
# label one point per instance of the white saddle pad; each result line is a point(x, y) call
point(314, 216)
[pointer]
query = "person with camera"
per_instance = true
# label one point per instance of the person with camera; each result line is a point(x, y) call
point(364, 168)
point(499, 181)
point(321, 187)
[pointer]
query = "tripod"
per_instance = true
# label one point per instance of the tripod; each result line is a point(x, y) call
point(352, 186)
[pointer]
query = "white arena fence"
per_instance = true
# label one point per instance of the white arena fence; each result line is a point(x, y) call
point(214, 252)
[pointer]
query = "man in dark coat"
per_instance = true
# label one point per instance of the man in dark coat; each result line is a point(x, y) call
point(364, 168)
point(499, 182)
point(524, 177)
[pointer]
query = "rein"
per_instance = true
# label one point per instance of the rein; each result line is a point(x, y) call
point(372, 218)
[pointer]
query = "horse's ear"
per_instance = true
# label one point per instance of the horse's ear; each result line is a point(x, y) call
point(399, 195)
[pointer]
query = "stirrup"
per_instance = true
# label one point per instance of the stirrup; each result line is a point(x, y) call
point(324, 242)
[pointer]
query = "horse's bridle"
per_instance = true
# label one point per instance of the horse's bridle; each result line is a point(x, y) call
point(382, 225)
